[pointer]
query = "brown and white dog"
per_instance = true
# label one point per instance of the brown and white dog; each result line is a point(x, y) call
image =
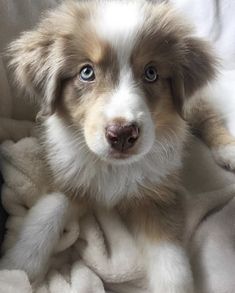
point(112, 78)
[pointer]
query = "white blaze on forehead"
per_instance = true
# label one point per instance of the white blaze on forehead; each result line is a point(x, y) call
point(118, 22)
point(126, 100)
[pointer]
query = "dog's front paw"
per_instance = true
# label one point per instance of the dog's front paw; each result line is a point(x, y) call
point(225, 156)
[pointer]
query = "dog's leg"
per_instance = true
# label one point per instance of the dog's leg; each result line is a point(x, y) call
point(220, 141)
point(38, 237)
point(210, 127)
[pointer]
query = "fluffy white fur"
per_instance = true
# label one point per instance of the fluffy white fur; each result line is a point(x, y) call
point(118, 22)
point(126, 102)
point(107, 183)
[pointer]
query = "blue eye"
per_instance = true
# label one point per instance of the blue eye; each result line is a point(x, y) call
point(87, 73)
point(150, 74)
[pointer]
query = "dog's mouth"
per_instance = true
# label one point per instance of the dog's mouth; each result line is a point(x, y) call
point(113, 156)
point(117, 155)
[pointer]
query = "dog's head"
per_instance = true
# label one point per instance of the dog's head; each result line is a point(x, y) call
point(118, 72)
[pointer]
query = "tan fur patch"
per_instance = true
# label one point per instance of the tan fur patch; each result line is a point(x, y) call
point(208, 124)
point(160, 209)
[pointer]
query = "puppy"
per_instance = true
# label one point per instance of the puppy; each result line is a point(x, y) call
point(111, 78)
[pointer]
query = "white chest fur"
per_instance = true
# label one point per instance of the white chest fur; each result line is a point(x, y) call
point(76, 168)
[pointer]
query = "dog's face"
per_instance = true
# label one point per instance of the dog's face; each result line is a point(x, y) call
point(119, 95)
point(118, 72)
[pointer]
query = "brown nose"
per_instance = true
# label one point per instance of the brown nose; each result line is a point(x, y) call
point(122, 137)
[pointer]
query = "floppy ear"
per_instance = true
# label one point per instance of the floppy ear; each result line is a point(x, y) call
point(37, 63)
point(197, 67)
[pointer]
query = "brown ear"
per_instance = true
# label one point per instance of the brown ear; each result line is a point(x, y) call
point(37, 64)
point(197, 67)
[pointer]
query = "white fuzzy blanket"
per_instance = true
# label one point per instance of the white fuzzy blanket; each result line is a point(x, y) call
point(75, 267)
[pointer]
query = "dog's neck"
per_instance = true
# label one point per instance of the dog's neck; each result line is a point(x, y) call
point(80, 172)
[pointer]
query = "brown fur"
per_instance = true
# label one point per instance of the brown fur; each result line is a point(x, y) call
point(208, 125)
point(160, 209)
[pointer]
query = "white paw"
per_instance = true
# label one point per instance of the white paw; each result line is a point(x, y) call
point(225, 156)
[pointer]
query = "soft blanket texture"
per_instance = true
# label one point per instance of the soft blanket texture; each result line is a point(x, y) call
point(78, 266)
point(10, 280)
point(75, 267)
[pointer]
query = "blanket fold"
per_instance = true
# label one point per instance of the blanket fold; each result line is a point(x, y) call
point(10, 281)
point(81, 261)
point(96, 253)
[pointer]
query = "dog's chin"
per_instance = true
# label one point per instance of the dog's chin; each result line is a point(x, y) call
point(113, 157)
point(121, 159)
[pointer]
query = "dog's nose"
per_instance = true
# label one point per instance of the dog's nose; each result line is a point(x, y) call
point(122, 137)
